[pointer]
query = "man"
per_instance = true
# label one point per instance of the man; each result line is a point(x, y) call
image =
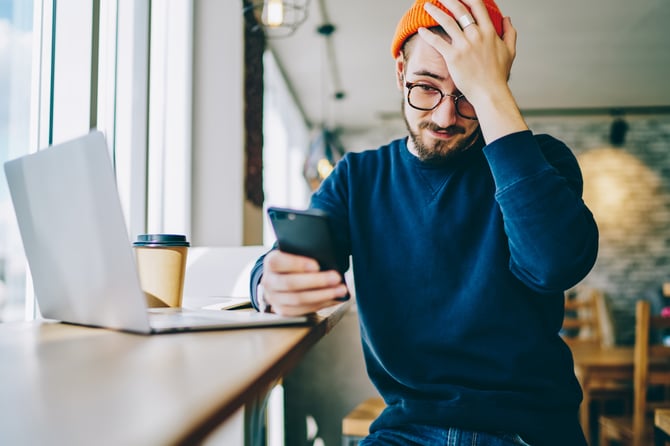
point(463, 238)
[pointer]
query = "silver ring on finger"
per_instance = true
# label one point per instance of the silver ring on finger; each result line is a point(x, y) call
point(466, 20)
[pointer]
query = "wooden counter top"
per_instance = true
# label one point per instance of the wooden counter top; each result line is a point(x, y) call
point(66, 384)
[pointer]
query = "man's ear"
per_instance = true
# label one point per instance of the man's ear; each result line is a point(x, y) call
point(399, 71)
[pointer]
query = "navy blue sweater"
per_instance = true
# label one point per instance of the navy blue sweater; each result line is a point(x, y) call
point(459, 272)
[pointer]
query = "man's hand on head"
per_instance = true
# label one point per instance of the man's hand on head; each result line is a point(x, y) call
point(479, 63)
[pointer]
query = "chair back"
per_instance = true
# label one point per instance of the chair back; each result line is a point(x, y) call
point(651, 369)
point(220, 270)
point(581, 322)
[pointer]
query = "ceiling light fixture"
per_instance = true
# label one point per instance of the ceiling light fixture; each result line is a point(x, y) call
point(618, 129)
point(273, 13)
point(277, 18)
point(325, 150)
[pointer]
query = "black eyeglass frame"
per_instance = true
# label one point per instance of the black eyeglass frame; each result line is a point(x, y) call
point(454, 97)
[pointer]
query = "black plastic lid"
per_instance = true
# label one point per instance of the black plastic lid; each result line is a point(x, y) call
point(161, 240)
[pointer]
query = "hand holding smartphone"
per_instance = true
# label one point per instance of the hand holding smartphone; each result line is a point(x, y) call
point(306, 233)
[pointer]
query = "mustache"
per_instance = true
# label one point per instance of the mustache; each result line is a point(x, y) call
point(453, 129)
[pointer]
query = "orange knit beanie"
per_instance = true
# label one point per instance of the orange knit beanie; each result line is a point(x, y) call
point(416, 17)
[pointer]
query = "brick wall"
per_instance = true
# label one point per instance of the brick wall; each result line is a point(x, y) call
point(628, 189)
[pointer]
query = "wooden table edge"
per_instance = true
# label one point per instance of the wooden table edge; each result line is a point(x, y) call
point(320, 324)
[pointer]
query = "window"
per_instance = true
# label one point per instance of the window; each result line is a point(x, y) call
point(16, 43)
point(169, 163)
point(50, 95)
point(286, 137)
point(119, 66)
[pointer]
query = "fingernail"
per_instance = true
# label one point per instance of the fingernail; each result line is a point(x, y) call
point(346, 295)
point(343, 298)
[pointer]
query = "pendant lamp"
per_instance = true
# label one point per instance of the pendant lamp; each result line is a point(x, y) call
point(325, 151)
point(277, 18)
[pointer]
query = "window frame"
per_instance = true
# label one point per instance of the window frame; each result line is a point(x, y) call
point(91, 69)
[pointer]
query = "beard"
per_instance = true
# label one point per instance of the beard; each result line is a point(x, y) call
point(440, 151)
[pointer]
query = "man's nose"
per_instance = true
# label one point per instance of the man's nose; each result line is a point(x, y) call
point(445, 113)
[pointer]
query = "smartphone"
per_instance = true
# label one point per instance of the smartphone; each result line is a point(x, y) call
point(306, 233)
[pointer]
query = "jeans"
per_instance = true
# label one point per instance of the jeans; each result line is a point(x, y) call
point(418, 435)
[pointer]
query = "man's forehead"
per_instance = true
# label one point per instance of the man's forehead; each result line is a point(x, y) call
point(413, 39)
point(422, 58)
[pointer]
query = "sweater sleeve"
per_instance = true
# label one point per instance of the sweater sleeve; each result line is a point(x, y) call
point(255, 279)
point(256, 274)
point(553, 238)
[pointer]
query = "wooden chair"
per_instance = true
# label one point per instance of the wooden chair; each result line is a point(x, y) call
point(650, 383)
point(586, 318)
point(587, 324)
point(661, 427)
point(356, 424)
point(580, 323)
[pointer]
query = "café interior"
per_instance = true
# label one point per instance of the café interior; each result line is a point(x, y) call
point(214, 111)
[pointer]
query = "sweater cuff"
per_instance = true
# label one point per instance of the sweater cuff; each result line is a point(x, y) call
point(514, 157)
point(256, 274)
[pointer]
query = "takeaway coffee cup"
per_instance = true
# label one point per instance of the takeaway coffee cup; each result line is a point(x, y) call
point(161, 263)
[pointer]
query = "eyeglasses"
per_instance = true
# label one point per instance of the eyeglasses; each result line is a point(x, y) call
point(424, 97)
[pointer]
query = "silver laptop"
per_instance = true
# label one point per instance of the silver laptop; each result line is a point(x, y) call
point(78, 250)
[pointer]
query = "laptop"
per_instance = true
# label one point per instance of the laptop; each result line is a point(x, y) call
point(79, 252)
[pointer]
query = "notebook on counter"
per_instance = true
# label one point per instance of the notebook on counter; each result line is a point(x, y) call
point(79, 252)
point(217, 277)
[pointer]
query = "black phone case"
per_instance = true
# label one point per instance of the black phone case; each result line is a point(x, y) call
point(304, 232)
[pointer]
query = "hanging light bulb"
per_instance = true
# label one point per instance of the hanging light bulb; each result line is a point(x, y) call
point(324, 152)
point(324, 167)
point(273, 15)
point(277, 18)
